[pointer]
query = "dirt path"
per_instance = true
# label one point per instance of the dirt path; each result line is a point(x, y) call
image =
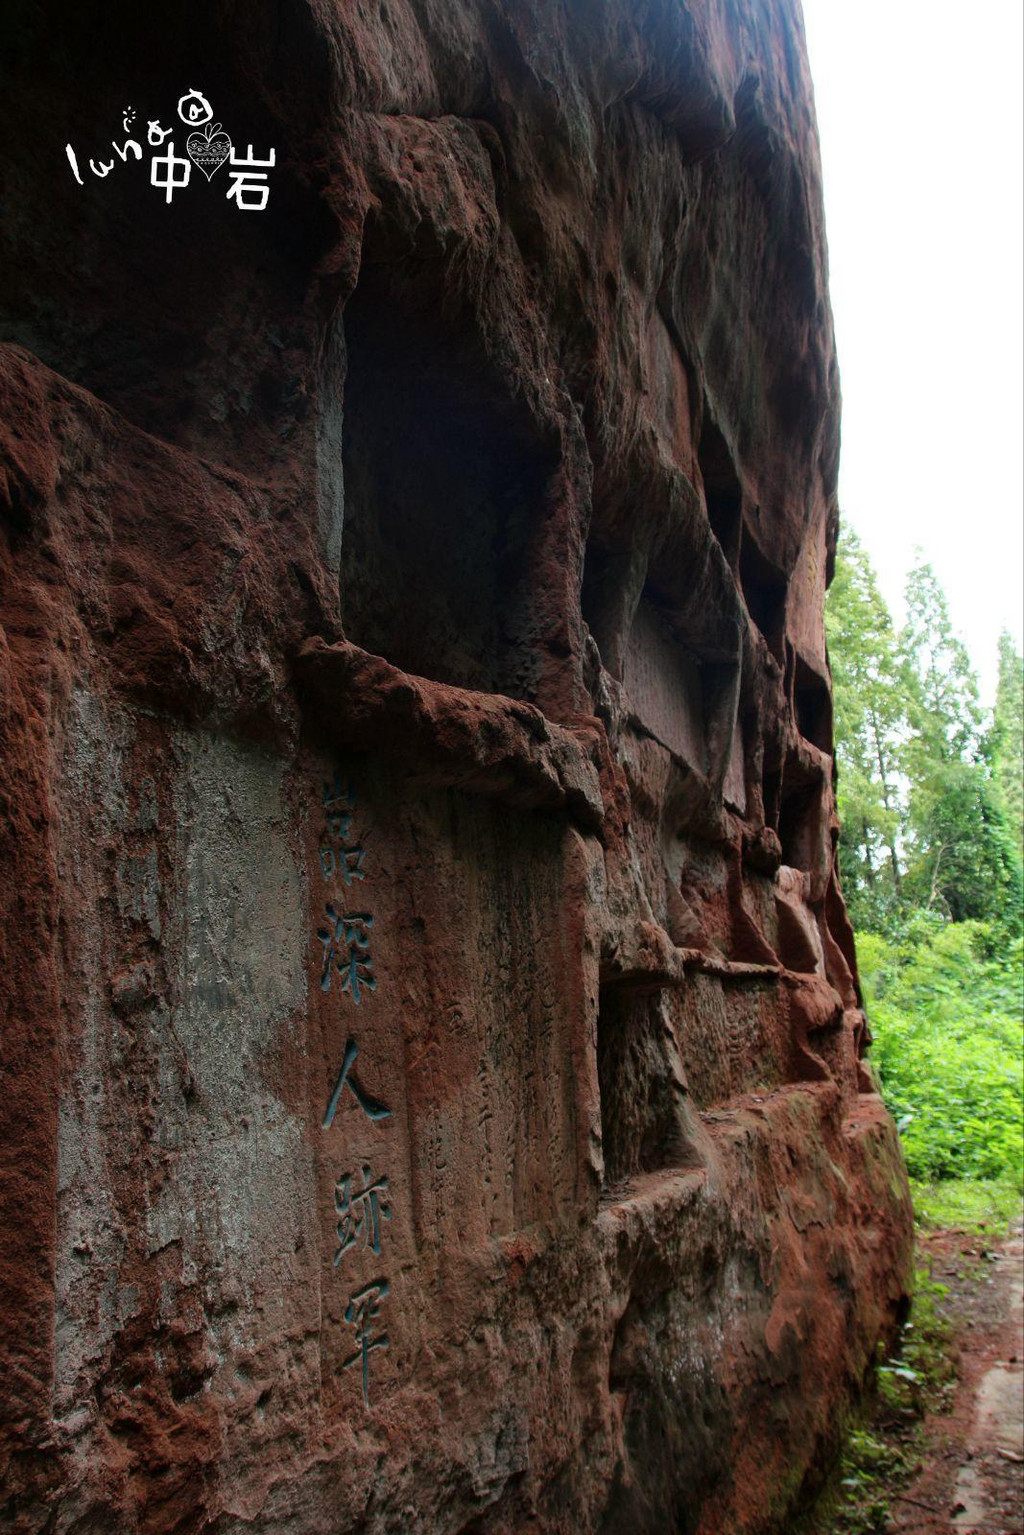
point(972, 1480)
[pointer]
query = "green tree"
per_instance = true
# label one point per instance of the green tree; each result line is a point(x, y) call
point(930, 804)
point(1007, 738)
point(870, 701)
point(943, 705)
point(960, 857)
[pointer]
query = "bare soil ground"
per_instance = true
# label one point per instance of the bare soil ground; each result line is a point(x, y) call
point(972, 1478)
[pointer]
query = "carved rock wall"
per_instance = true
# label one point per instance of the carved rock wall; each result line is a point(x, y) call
point(432, 1096)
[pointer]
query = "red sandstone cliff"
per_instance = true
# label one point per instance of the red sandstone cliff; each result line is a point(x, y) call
point(431, 1087)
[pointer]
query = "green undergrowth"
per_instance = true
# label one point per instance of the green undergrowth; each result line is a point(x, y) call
point(945, 1004)
point(979, 1207)
point(884, 1440)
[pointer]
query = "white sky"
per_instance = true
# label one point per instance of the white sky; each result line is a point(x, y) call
point(920, 113)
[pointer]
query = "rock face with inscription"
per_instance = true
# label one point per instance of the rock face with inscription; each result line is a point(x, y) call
point(433, 1095)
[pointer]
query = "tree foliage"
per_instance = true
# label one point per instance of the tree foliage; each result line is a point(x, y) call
point(870, 731)
point(929, 799)
point(930, 802)
point(1006, 745)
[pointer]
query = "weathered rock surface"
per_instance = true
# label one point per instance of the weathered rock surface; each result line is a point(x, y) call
point(412, 681)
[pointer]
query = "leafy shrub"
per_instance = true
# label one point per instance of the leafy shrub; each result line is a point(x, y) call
point(945, 1007)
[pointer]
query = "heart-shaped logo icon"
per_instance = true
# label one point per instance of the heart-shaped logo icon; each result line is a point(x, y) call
point(208, 150)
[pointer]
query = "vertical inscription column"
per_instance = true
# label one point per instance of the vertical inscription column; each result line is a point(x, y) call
point(361, 1205)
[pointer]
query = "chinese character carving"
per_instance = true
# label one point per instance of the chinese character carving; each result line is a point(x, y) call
point(336, 856)
point(361, 1311)
point(336, 793)
point(347, 1077)
point(346, 943)
point(361, 1213)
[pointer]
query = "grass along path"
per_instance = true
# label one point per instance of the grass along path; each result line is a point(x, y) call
point(940, 1450)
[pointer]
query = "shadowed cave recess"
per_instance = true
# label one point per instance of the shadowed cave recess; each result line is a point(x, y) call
point(435, 1096)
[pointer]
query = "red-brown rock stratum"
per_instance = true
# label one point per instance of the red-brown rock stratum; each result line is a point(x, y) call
point(431, 1087)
